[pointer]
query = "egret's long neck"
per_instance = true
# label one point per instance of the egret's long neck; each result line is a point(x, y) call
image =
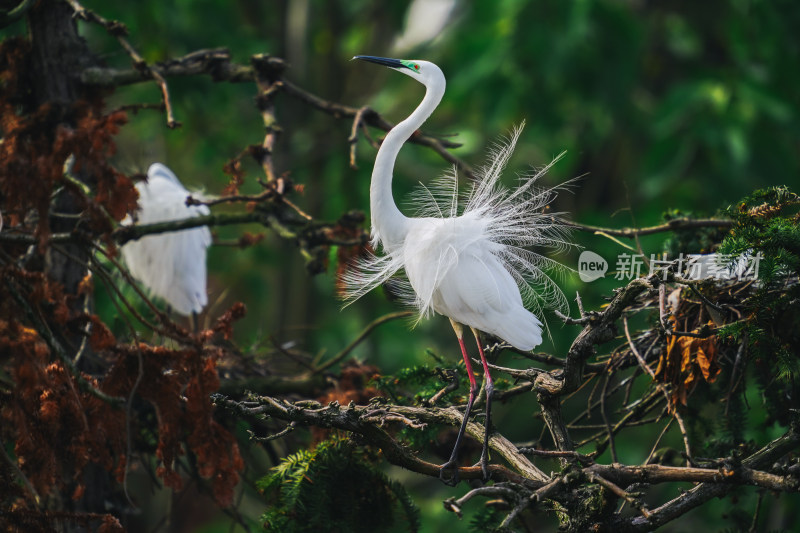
point(389, 225)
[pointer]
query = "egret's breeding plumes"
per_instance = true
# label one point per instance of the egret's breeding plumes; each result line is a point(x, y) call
point(469, 262)
point(172, 265)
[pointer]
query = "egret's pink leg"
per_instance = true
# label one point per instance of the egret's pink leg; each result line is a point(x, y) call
point(473, 390)
point(484, 462)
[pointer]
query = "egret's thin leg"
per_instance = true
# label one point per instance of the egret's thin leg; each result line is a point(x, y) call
point(487, 376)
point(452, 463)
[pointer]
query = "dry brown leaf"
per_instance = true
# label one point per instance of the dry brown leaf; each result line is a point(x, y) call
point(684, 361)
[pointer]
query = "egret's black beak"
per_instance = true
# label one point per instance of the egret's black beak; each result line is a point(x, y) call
point(385, 61)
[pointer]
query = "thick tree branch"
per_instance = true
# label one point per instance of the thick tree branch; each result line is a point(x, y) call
point(653, 474)
point(367, 421)
point(706, 491)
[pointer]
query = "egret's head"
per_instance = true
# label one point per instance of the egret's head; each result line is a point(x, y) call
point(422, 71)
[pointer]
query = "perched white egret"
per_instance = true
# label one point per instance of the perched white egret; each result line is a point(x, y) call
point(472, 264)
point(172, 266)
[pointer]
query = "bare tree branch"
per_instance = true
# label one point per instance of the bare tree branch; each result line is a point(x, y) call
point(675, 224)
point(217, 64)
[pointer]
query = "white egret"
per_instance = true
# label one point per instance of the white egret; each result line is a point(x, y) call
point(172, 265)
point(472, 264)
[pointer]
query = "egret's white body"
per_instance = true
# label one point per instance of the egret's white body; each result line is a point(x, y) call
point(470, 285)
point(172, 266)
point(470, 264)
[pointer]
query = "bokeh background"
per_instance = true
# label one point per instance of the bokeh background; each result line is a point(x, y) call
point(662, 106)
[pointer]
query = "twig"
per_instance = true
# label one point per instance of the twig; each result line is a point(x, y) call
point(267, 73)
point(642, 363)
point(361, 336)
point(525, 373)
point(171, 329)
point(660, 386)
point(693, 285)
point(190, 200)
point(600, 480)
point(119, 31)
point(568, 454)
point(672, 225)
point(663, 319)
point(450, 387)
point(655, 474)
point(128, 438)
point(353, 139)
point(56, 349)
point(9, 17)
point(754, 523)
point(658, 440)
point(282, 433)
point(572, 321)
point(735, 371)
point(643, 422)
point(579, 302)
point(124, 234)
point(20, 475)
point(382, 415)
point(551, 412)
point(492, 491)
point(642, 407)
point(611, 443)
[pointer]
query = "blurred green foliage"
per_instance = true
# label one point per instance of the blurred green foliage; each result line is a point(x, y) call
point(660, 105)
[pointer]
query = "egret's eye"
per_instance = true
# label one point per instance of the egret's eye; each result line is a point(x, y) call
point(411, 65)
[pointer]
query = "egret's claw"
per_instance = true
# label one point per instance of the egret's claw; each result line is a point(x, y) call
point(484, 464)
point(448, 468)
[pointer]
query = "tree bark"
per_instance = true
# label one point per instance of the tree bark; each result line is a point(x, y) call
point(59, 55)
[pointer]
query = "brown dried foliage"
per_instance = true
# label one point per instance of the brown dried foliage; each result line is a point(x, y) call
point(177, 383)
point(52, 422)
point(764, 210)
point(38, 141)
point(233, 168)
point(685, 361)
point(248, 239)
point(59, 428)
point(58, 423)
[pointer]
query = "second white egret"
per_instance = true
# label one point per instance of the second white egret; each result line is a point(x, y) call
point(172, 265)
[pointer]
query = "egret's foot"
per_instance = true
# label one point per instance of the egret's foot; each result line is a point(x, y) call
point(448, 473)
point(484, 464)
